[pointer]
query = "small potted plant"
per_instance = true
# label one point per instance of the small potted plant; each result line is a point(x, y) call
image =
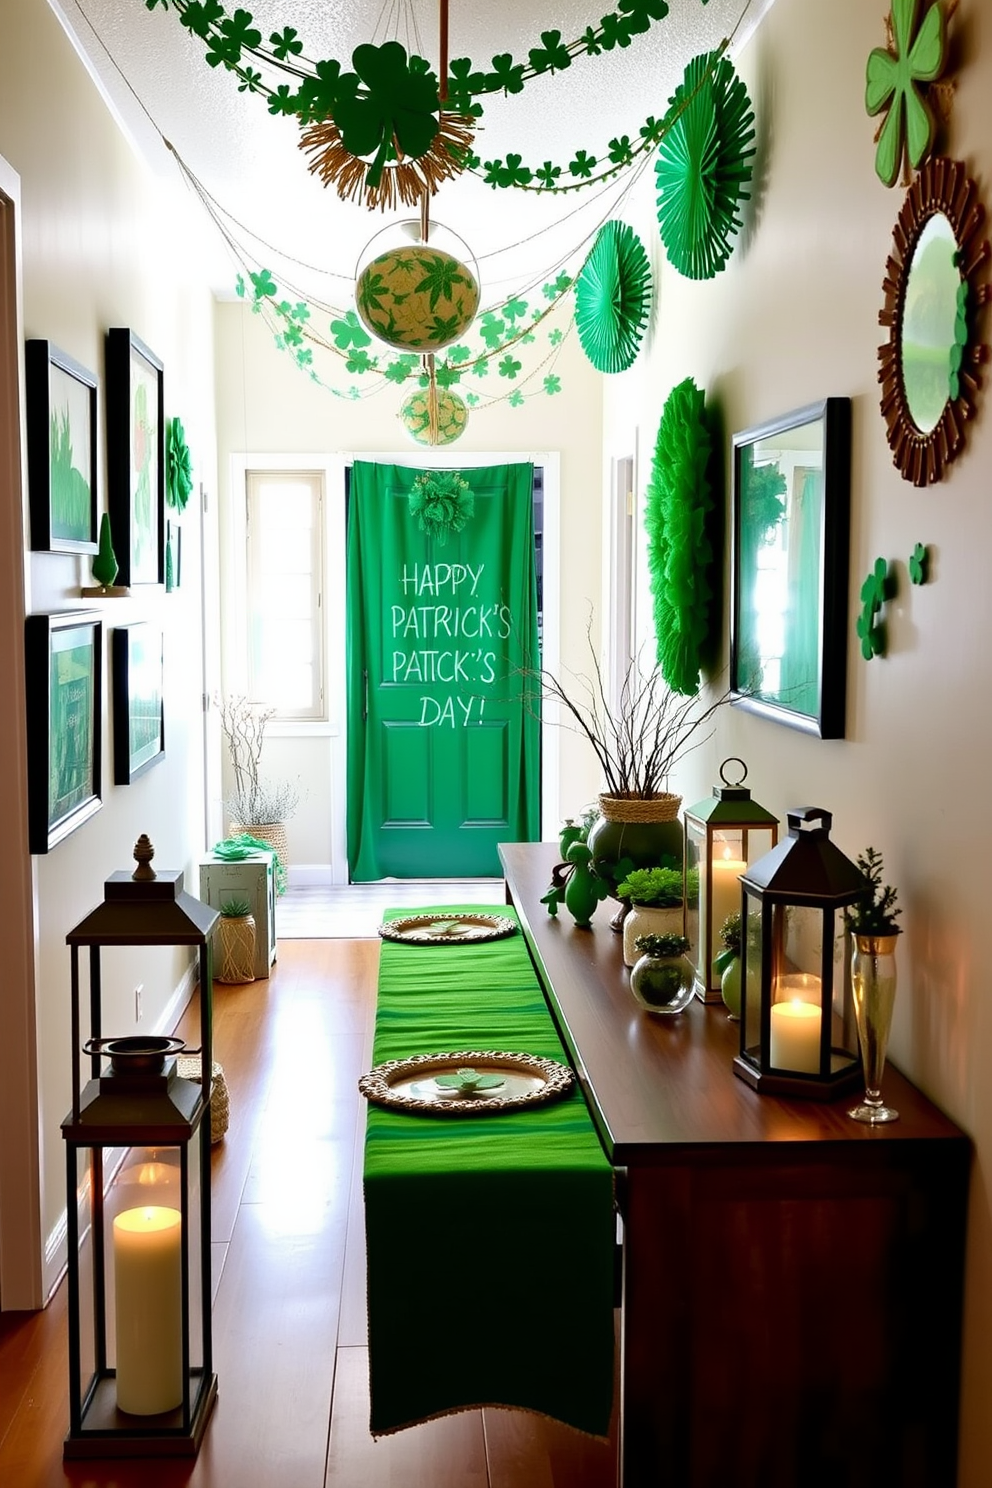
point(235, 942)
point(727, 964)
point(662, 977)
point(872, 922)
point(656, 897)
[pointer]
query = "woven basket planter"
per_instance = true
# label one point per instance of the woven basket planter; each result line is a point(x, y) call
point(234, 946)
point(188, 1068)
point(273, 833)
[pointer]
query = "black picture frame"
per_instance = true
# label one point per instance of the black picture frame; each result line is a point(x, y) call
point(136, 457)
point(64, 675)
point(138, 675)
point(61, 450)
point(789, 575)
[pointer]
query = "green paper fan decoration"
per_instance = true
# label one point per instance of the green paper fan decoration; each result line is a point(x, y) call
point(613, 298)
point(677, 503)
point(178, 466)
point(703, 167)
point(442, 503)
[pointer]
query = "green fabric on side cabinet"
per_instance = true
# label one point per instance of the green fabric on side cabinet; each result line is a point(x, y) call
point(490, 1238)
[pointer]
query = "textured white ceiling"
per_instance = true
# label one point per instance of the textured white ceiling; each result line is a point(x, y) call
point(154, 73)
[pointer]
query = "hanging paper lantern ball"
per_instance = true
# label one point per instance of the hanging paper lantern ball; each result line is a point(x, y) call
point(449, 422)
point(417, 298)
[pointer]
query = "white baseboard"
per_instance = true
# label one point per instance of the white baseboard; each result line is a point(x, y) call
point(311, 876)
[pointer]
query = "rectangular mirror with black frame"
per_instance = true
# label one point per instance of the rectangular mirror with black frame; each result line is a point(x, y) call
point(791, 519)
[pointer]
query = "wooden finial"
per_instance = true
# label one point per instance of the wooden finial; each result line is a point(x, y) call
point(143, 854)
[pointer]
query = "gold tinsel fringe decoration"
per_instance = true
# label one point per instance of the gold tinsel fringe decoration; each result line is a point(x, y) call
point(403, 181)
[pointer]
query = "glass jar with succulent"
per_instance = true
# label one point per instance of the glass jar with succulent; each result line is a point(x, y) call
point(727, 964)
point(235, 941)
point(256, 807)
point(662, 977)
point(872, 922)
point(655, 903)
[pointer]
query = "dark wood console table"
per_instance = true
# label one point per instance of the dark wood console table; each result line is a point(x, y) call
point(792, 1280)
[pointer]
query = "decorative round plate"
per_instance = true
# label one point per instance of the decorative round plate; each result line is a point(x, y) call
point(447, 929)
point(471, 1082)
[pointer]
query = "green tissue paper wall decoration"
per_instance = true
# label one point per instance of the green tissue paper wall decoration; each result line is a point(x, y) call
point(442, 502)
point(613, 298)
point(178, 466)
point(677, 503)
point(703, 168)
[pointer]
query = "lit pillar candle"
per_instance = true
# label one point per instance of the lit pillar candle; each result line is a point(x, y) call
point(726, 888)
point(148, 1298)
point(795, 1036)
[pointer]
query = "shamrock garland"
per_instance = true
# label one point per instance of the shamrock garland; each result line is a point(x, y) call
point(500, 331)
point(893, 85)
point(178, 466)
point(391, 106)
point(442, 503)
point(613, 298)
point(677, 503)
point(704, 167)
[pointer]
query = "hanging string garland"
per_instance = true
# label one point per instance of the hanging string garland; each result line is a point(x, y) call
point(613, 298)
point(442, 503)
point(703, 168)
point(680, 555)
point(178, 466)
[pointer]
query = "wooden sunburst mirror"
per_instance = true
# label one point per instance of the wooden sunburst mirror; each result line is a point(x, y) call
point(929, 367)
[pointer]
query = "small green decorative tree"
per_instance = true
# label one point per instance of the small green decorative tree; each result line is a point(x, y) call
point(105, 563)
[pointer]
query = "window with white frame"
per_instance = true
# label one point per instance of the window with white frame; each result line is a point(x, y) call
point(285, 568)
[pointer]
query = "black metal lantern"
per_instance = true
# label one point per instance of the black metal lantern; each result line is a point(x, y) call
point(723, 835)
point(798, 1031)
point(141, 1379)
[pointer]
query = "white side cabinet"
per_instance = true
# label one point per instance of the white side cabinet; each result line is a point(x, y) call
point(251, 878)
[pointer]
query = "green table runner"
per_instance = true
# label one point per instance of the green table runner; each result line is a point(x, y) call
point(490, 1238)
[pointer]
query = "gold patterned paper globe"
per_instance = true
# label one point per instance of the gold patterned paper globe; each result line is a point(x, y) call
point(417, 298)
point(452, 416)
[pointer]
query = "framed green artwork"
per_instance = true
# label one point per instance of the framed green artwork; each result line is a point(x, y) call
point(139, 709)
point(791, 505)
point(64, 656)
point(61, 446)
point(136, 458)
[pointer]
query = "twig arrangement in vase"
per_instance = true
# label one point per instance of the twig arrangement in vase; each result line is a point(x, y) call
point(637, 739)
point(257, 807)
point(872, 922)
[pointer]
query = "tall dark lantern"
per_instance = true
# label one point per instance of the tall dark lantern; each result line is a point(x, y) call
point(798, 1032)
point(141, 1380)
point(723, 835)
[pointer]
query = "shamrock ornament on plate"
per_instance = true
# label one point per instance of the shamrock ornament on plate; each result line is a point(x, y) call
point(467, 1081)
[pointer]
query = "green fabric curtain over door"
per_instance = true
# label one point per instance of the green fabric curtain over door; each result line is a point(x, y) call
point(443, 748)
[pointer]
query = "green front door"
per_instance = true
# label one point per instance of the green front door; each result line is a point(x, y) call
point(443, 744)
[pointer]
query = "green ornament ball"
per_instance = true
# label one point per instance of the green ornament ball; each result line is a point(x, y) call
point(452, 416)
point(417, 298)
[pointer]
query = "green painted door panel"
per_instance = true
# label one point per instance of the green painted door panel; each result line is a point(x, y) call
point(443, 749)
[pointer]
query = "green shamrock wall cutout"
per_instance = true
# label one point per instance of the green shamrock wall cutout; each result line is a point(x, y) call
point(876, 589)
point(895, 82)
point(919, 564)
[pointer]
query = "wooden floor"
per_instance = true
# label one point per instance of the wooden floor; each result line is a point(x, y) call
point(289, 1312)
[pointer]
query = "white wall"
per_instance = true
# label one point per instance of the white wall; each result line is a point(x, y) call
point(106, 245)
point(793, 319)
